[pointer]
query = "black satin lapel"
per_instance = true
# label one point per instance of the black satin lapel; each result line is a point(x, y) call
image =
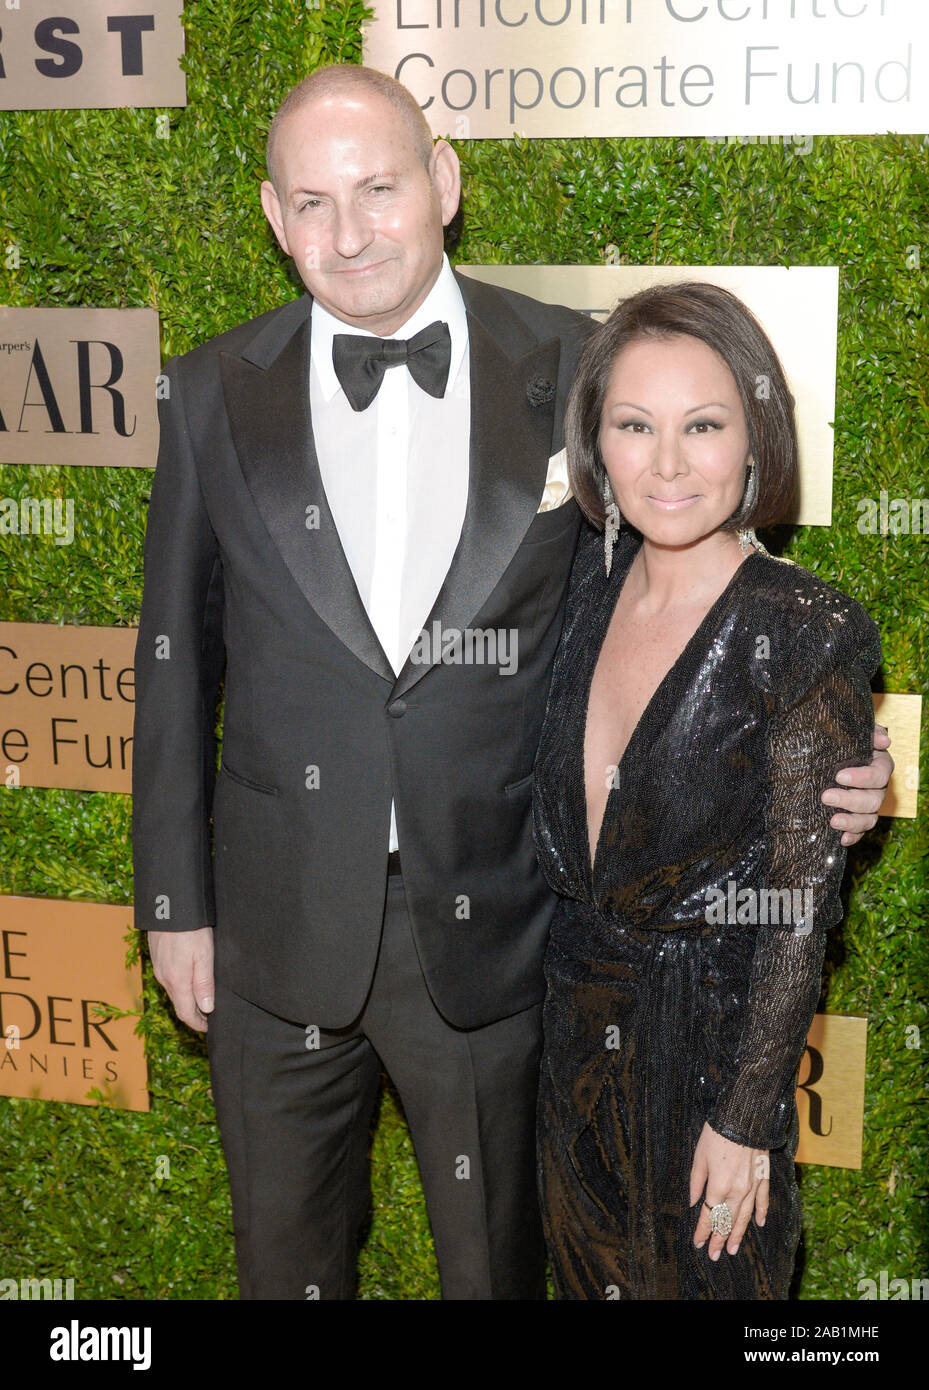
point(509, 452)
point(269, 416)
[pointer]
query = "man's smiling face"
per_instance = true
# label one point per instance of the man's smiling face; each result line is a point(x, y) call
point(357, 209)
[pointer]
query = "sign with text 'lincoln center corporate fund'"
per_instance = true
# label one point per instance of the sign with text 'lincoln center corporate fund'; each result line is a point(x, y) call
point(482, 69)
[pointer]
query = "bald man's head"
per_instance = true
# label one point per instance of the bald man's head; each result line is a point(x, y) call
point(347, 79)
point(359, 195)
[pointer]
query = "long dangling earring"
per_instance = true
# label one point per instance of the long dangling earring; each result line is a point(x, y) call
point(747, 535)
point(611, 524)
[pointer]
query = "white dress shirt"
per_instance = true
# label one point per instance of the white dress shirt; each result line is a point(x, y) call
point(396, 474)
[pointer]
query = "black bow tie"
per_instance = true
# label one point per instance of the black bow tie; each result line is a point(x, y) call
point(360, 362)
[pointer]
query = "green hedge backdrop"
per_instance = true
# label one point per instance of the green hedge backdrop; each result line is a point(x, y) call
point(106, 213)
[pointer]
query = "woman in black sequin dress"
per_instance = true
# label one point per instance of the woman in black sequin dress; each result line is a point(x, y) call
point(677, 813)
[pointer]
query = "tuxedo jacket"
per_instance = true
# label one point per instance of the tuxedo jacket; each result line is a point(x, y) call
point(283, 848)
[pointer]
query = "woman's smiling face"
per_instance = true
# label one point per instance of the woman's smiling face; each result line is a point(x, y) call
point(673, 438)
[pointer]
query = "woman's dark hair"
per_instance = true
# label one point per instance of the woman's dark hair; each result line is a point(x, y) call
point(719, 319)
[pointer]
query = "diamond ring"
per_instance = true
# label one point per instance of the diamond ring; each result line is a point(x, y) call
point(720, 1218)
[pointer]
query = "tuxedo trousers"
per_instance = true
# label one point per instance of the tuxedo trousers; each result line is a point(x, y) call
point(295, 1104)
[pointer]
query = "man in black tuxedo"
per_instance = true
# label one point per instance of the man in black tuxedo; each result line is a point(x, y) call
point(369, 538)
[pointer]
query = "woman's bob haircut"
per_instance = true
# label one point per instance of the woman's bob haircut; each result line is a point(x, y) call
point(719, 319)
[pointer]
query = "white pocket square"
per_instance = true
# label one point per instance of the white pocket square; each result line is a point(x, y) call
point(557, 488)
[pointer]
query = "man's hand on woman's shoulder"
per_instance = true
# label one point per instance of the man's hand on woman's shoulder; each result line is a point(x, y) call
point(861, 792)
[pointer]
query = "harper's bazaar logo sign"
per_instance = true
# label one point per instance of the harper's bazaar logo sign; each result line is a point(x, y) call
point(90, 53)
point(79, 386)
point(830, 1091)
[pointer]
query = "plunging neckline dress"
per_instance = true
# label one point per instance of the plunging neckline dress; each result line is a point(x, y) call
point(665, 1007)
point(663, 695)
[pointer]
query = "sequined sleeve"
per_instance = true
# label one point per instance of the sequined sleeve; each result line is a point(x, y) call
point(824, 721)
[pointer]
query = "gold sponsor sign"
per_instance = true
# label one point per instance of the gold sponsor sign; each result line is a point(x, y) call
point(901, 715)
point(482, 69)
point(67, 698)
point(91, 53)
point(78, 386)
point(59, 962)
point(830, 1091)
point(797, 306)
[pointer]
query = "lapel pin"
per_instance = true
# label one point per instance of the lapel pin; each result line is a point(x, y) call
point(540, 390)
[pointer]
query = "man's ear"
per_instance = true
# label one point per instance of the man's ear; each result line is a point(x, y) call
point(445, 172)
point(272, 209)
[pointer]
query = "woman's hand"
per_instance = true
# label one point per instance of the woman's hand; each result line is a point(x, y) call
point(732, 1173)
